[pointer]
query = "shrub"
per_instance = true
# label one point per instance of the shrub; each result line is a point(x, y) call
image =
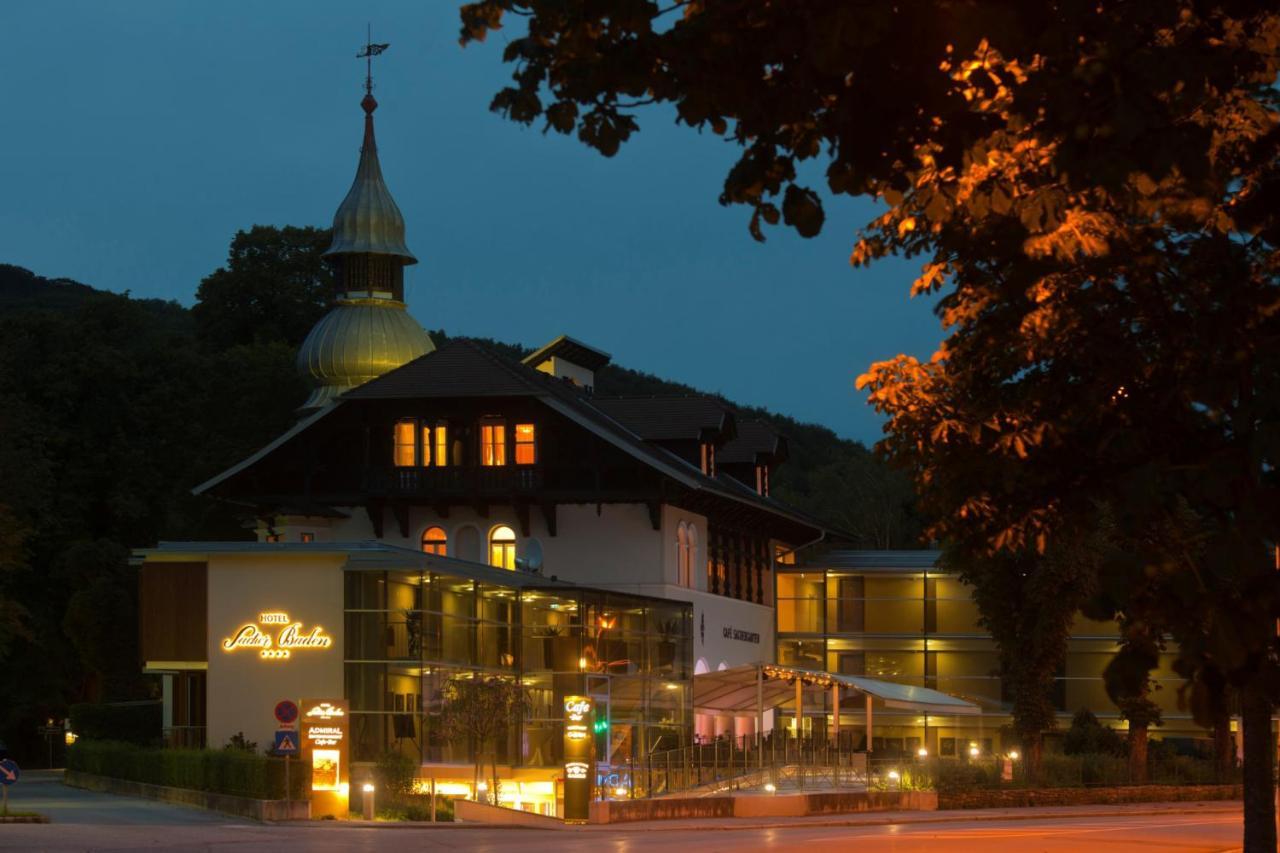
point(1088, 736)
point(955, 777)
point(129, 722)
point(395, 772)
point(219, 771)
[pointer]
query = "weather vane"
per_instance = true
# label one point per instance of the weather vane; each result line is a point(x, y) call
point(369, 51)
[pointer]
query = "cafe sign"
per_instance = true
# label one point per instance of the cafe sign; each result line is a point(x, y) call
point(579, 757)
point(275, 636)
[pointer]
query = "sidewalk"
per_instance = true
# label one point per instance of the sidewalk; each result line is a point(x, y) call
point(861, 819)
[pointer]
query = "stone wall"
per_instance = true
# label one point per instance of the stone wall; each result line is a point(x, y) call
point(762, 805)
point(1025, 797)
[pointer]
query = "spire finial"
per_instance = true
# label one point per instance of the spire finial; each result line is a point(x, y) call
point(367, 53)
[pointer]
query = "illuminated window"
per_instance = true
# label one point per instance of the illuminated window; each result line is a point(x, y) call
point(708, 459)
point(682, 554)
point(502, 547)
point(442, 444)
point(307, 537)
point(493, 443)
point(525, 452)
point(406, 445)
point(426, 445)
point(435, 541)
point(272, 537)
point(762, 479)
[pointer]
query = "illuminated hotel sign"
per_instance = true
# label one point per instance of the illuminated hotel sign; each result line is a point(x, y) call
point(579, 756)
point(275, 636)
point(324, 741)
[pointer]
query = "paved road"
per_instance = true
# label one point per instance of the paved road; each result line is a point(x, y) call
point(85, 821)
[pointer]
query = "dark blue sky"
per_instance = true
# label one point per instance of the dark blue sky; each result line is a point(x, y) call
point(139, 136)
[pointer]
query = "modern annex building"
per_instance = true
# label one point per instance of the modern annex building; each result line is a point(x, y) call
point(896, 616)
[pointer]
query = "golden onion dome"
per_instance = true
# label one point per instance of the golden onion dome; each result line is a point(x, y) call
point(358, 340)
point(368, 220)
point(368, 331)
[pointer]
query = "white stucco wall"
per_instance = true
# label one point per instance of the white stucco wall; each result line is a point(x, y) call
point(243, 688)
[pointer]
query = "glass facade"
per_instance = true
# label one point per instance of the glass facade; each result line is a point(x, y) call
point(409, 632)
point(919, 626)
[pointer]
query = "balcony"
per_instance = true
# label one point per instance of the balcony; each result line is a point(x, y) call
point(457, 481)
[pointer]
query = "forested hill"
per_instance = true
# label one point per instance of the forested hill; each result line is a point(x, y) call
point(112, 408)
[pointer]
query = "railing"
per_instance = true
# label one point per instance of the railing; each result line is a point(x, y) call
point(457, 480)
point(778, 758)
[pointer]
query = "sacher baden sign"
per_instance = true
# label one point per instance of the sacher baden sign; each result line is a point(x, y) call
point(275, 636)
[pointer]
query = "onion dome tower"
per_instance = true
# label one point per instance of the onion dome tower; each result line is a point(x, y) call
point(368, 331)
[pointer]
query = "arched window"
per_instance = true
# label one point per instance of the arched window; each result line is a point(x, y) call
point(692, 537)
point(502, 547)
point(435, 541)
point(682, 554)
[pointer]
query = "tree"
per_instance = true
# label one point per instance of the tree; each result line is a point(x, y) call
point(273, 289)
point(1092, 188)
point(1028, 602)
point(483, 709)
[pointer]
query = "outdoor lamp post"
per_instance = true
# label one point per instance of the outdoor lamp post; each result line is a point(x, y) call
point(368, 801)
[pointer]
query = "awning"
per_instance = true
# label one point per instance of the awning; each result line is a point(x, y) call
point(753, 687)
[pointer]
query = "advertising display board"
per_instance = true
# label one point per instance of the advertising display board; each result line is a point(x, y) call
point(325, 755)
point(579, 757)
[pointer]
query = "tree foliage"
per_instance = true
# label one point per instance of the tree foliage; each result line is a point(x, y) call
point(483, 709)
point(1092, 189)
point(273, 289)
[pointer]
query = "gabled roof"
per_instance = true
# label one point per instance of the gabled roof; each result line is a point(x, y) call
point(464, 368)
point(755, 438)
point(670, 418)
point(570, 350)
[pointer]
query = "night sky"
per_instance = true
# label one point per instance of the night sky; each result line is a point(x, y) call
point(139, 136)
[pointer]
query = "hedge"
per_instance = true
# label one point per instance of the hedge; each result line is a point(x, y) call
point(131, 722)
point(219, 771)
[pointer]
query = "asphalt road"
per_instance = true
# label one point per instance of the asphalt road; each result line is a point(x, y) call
point(86, 821)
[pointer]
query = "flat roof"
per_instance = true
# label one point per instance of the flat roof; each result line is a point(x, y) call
point(741, 688)
point(887, 561)
point(372, 555)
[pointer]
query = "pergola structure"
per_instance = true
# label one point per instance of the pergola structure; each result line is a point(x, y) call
point(753, 688)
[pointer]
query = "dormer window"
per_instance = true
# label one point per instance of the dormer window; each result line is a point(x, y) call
point(708, 459)
point(526, 447)
point(762, 479)
point(493, 443)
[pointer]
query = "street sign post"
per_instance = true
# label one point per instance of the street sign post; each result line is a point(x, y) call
point(287, 740)
point(286, 713)
point(9, 773)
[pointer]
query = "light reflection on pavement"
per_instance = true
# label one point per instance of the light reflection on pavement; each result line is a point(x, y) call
point(87, 821)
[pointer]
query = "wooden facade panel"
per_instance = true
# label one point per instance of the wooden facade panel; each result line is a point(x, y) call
point(173, 603)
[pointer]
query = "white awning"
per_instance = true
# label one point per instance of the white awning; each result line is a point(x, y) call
point(753, 687)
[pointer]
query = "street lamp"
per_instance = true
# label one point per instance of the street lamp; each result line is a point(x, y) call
point(1013, 754)
point(922, 753)
point(973, 750)
point(368, 800)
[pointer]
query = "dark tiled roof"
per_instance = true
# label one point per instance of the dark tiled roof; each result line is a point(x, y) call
point(461, 368)
point(669, 418)
point(570, 350)
point(754, 437)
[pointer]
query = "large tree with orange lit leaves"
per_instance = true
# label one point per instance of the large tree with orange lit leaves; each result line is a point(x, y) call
point(1091, 185)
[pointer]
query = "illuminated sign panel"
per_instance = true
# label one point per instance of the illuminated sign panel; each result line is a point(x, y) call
point(324, 742)
point(579, 757)
point(275, 636)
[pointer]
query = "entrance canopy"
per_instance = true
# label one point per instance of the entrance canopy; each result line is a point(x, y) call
point(753, 687)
